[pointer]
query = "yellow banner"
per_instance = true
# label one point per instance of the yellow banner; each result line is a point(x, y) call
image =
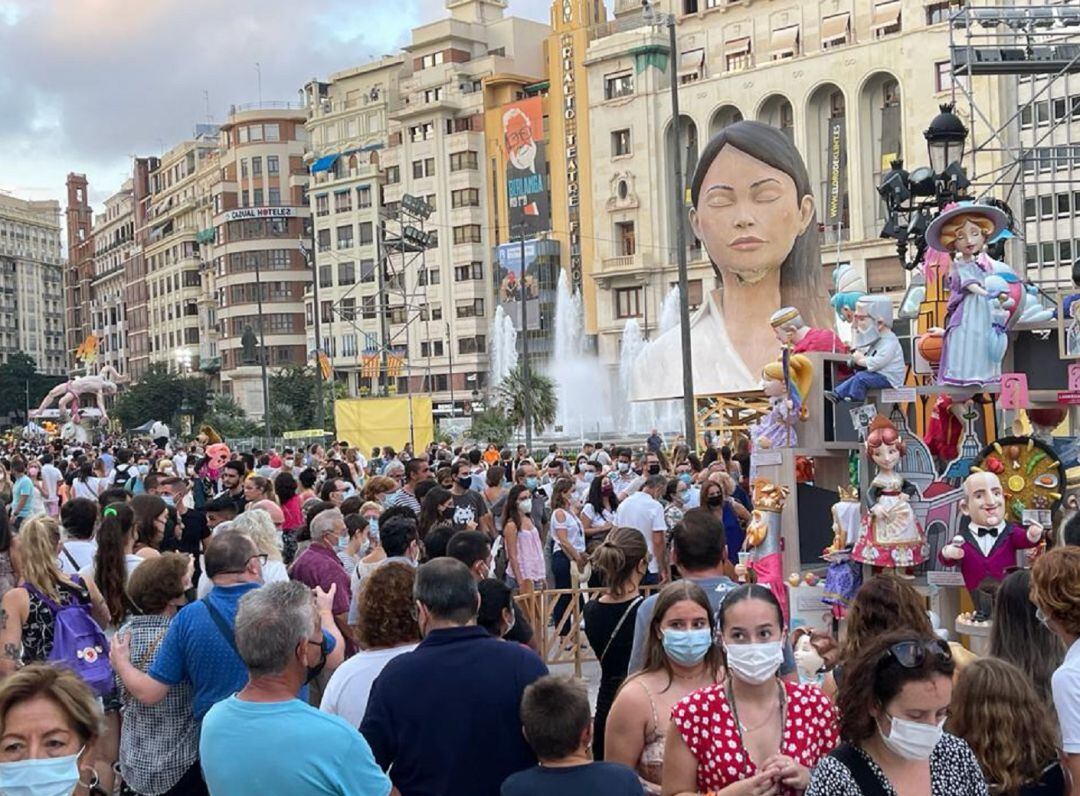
point(369, 422)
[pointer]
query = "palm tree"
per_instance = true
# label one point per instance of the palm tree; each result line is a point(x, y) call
point(510, 396)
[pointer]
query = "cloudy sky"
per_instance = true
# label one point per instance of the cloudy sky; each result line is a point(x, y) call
point(87, 84)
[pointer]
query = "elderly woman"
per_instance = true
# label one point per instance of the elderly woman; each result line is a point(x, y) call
point(159, 744)
point(385, 629)
point(49, 723)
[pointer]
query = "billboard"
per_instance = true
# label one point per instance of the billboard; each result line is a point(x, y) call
point(509, 279)
point(526, 168)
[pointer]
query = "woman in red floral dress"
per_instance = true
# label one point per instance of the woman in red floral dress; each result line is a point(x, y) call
point(753, 734)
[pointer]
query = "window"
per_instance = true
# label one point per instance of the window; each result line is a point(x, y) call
point(937, 12)
point(326, 276)
point(393, 175)
point(428, 61)
point(367, 271)
point(1046, 206)
point(619, 85)
point(1049, 252)
point(624, 239)
point(943, 79)
point(347, 309)
point(348, 341)
point(1064, 251)
point(345, 237)
point(256, 167)
point(342, 202)
point(242, 135)
point(885, 274)
point(464, 161)
point(886, 19)
point(627, 302)
point(346, 273)
point(257, 197)
point(324, 240)
point(436, 312)
point(367, 307)
point(465, 197)
point(467, 233)
point(243, 168)
point(363, 197)
point(1062, 201)
point(1030, 209)
point(469, 272)
point(274, 197)
point(737, 54)
point(472, 345)
point(433, 94)
point(421, 132)
point(784, 42)
point(272, 132)
point(367, 233)
point(620, 143)
point(423, 168)
point(398, 315)
point(691, 65)
point(1042, 112)
point(472, 308)
point(835, 30)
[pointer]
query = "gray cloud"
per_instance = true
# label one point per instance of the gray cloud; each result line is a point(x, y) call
point(86, 83)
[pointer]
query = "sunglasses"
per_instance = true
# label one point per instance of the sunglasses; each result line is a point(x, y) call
point(912, 654)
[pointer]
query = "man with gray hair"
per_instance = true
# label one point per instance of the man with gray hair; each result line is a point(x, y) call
point(643, 512)
point(444, 718)
point(263, 739)
point(320, 567)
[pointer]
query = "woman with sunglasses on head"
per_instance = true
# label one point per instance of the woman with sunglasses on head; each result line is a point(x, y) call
point(893, 703)
point(753, 733)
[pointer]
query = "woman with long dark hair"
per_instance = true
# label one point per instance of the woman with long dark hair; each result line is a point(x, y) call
point(1017, 635)
point(598, 513)
point(437, 506)
point(114, 561)
point(151, 517)
point(86, 484)
point(525, 569)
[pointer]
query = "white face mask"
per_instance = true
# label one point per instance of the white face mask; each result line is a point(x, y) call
point(755, 663)
point(912, 740)
point(525, 506)
point(48, 776)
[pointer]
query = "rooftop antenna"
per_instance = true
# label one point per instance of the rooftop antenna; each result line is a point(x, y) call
point(258, 72)
point(206, 102)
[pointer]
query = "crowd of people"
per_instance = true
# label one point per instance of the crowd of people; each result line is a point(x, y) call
point(321, 621)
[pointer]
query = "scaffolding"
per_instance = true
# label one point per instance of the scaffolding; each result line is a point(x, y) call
point(1031, 157)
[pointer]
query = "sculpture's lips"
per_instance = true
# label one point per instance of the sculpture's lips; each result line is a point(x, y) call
point(748, 243)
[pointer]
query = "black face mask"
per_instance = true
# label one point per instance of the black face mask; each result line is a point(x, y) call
point(654, 469)
point(316, 670)
point(465, 482)
point(715, 500)
point(448, 514)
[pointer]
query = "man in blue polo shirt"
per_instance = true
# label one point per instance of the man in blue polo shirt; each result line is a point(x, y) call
point(444, 718)
point(199, 647)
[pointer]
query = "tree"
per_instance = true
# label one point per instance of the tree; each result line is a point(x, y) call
point(21, 384)
point(510, 396)
point(159, 395)
point(228, 418)
point(492, 425)
point(293, 402)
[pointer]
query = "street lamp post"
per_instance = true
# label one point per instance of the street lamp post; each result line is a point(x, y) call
point(525, 370)
point(308, 253)
point(679, 201)
point(262, 354)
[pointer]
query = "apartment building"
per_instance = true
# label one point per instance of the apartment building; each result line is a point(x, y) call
point(31, 283)
point(349, 129)
point(177, 212)
point(259, 210)
point(853, 83)
point(114, 245)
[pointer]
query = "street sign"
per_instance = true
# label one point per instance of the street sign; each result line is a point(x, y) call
point(1071, 398)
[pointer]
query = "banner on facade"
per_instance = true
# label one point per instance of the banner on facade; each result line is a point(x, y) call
point(837, 187)
point(526, 167)
point(511, 277)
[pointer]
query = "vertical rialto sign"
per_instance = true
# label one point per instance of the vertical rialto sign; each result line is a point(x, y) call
point(573, 187)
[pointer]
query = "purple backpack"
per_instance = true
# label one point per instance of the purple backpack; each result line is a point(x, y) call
point(79, 642)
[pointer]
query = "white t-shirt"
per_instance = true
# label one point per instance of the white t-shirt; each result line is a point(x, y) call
point(575, 534)
point(50, 479)
point(1065, 685)
point(90, 488)
point(82, 550)
point(346, 694)
point(644, 514)
point(130, 561)
point(607, 515)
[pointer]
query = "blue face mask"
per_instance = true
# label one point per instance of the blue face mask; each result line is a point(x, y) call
point(532, 482)
point(48, 776)
point(168, 500)
point(687, 646)
point(686, 479)
point(342, 541)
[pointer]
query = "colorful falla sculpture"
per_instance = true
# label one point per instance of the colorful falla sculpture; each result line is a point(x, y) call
point(844, 576)
point(763, 538)
point(786, 384)
point(986, 545)
point(971, 352)
point(795, 333)
point(876, 351)
point(891, 537)
point(753, 211)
